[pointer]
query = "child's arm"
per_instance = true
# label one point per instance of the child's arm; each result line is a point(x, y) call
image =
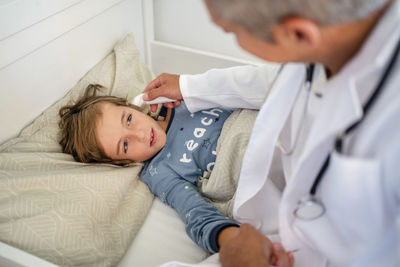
point(203, 221)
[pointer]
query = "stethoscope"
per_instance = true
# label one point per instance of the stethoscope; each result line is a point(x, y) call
point(307, 85)
point(310, 207)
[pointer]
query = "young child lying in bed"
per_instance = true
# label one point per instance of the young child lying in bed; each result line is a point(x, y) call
point(175, 151)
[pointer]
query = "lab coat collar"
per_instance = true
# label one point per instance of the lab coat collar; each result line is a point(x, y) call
point(358, 78)
point(374, 54)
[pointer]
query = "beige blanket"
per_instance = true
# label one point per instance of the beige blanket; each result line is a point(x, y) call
point(67, 212)
point(219, 187)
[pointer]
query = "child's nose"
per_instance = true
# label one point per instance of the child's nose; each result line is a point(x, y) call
point(139, 135)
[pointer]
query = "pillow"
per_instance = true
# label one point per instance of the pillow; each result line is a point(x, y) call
point(67, 212)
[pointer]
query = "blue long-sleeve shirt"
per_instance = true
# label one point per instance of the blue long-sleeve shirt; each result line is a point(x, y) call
point(172, 174)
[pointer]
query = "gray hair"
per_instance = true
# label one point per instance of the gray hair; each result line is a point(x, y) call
point(257, 16)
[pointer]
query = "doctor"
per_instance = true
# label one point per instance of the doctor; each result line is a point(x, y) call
point(338, 140)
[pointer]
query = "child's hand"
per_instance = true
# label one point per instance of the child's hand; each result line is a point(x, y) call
point(166, 85)
point(280, 257)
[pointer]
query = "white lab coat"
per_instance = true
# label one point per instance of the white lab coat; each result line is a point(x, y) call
point(361, 187)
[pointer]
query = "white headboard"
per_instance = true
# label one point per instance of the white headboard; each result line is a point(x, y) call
point(47, 45)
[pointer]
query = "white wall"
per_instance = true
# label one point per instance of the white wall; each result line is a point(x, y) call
point(183, 39)
point(187, 23)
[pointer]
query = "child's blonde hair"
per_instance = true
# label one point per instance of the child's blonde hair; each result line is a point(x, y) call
point(78, 127)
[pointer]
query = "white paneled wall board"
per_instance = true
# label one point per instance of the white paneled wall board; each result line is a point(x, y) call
point(179, 59)
point(187, 23)
point(20, 14)
point(50, 27)
point(181, 38)
point(64, 45)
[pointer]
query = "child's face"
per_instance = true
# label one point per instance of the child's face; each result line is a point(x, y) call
point(126, 133)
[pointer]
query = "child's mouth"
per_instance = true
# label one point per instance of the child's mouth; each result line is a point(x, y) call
point(153, 138)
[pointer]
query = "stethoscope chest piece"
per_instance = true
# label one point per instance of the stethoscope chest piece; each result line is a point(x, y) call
point(309, 208)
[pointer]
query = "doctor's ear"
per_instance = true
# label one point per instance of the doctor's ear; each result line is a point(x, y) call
point(297, 31)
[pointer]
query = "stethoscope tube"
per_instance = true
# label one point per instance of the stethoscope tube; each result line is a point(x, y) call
point(307, 85)
point(310, 207)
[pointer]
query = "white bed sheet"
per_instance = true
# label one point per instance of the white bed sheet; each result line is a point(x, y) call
point(162, 238)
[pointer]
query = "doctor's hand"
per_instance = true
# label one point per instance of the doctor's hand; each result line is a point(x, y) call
point(251, 248)
point(166, 85)
point(280, 257)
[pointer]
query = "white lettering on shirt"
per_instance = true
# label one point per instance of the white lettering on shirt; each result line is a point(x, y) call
point(199, 132)
point(191, 145)
point(184, 159)
point(206, 123)
point(210, 166)
point(213, 112)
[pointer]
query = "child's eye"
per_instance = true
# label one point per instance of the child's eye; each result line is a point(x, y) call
point(129, 119)
point(125, 146)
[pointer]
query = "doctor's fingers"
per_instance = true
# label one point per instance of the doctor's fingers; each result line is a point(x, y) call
point(166, 85)
point(280, 257)
point(172, 104)
point(153, 84)
point(157, 82)
point(154, 107)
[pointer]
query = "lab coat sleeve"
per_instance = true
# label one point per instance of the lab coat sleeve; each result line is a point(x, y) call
point(236, 87)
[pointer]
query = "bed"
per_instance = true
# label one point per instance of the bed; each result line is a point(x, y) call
point(57, 212)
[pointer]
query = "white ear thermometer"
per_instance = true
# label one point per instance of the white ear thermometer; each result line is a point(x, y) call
point(138, 100)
